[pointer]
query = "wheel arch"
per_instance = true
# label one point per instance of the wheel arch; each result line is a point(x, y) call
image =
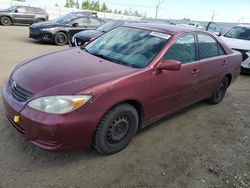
point(229, 78)
point(135, 103)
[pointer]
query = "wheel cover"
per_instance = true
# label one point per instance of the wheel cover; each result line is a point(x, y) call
point(118, 129)
point(5, 20)
point(221, 91)
point(61, 39)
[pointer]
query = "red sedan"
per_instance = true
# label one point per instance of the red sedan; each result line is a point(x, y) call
point(102, 94)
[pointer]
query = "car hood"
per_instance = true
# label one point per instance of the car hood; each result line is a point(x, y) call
point(237, 43)
point(88, 34)
point(48, 24)
point(66, 72)
point(4, 11)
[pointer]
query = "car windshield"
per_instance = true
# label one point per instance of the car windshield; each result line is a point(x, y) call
point(239, 33)
point(109, 25)
point(11, 9)
point(128, 46)
point(65, 18)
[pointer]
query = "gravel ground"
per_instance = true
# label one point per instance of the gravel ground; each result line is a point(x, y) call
point(201, 146)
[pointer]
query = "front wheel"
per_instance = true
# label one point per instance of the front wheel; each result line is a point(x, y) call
point(220, 92)
point(61, 39)
point(6, 21)
point(116, 129)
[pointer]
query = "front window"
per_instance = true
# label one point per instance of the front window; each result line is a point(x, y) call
point(129, 46)
point(239, 33)
point(109, 25)
point(182, 50)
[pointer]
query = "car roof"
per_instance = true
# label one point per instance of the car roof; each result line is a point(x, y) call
point(28, 6)
point(161, 27)
point(243, 25)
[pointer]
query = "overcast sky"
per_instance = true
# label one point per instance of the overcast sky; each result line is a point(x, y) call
point(201, 10)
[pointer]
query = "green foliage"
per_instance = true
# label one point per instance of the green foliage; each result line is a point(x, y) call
point(69, 4)
point(95, 5)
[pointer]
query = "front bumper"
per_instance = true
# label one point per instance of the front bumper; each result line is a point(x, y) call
point(45, 36)
point(245, 65)
point(49, 131)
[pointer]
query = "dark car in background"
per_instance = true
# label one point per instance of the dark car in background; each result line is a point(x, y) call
point(22, 15)
point(83, 37)
point(58, 31)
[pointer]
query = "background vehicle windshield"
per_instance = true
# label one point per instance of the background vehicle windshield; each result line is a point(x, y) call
point(239, 33)
point(65, 18)
point(11, 9)
point(109, 25)
point(129, 46)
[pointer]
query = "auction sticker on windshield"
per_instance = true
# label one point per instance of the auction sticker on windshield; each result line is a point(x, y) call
point(161, 35)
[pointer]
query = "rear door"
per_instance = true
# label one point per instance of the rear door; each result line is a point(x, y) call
point(23, 15)
point(174, 90)
point(78, 25)
point(214, 64)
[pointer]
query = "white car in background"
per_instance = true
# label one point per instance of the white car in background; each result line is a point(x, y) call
point(237, 38)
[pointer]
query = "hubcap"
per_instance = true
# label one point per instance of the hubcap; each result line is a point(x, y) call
point(61, 38)
point(221, 91)
point(118, 129)
point(5, 20)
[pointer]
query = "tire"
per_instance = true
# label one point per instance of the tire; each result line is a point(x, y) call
point(116, 129)
point(61, 39)
point(220, 92)
point(5, 20)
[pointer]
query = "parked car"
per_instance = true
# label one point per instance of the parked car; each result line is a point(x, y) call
point(237, 38)
point(61, 29)
point(22, 15)
point(84, 37)
point(102, 94)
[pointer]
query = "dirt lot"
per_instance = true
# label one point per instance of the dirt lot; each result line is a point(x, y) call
point(201, 146)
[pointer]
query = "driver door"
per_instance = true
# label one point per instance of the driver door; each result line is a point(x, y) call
point(174, 90)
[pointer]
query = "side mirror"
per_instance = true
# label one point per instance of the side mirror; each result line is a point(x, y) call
point(75, 25)
point(16, 11)
point(172, 65)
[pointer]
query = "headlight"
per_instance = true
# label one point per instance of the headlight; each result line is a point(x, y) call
point(49, 29)
point(59, 104)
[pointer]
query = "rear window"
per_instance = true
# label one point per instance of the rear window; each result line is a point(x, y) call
point(239, 33)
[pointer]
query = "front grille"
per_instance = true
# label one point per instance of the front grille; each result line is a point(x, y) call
point(243, 52)
point(19, 93)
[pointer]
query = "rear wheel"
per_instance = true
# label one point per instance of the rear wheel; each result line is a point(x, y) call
point(5, 20)
point(220, 92)
point(61, 38)
point(116, 129)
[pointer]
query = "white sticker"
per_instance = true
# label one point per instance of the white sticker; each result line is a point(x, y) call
point(161, 35)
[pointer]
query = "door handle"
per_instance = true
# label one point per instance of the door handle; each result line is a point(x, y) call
point(224, 62)
point(195, 71)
